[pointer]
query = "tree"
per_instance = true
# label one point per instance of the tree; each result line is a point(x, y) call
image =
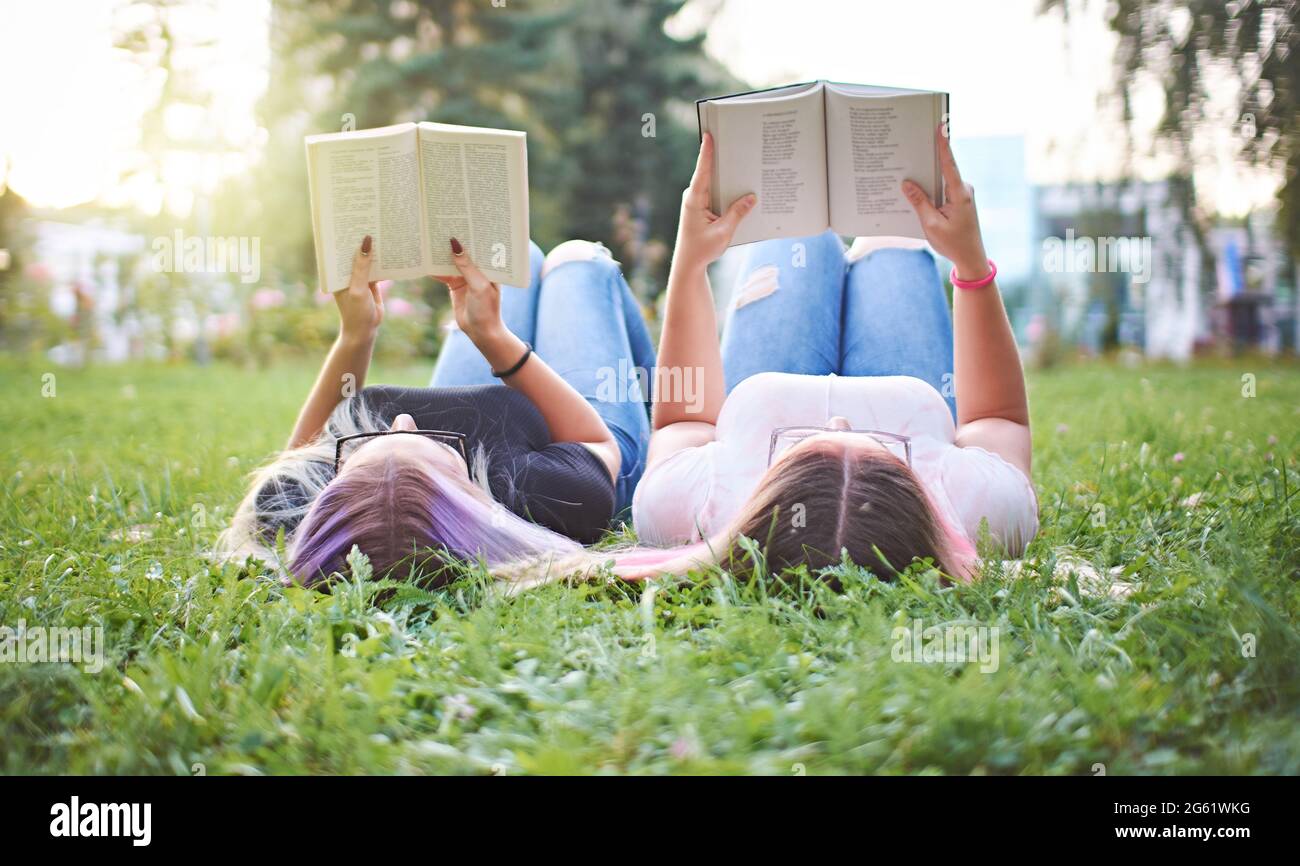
point(1187, 45)
point(633, 138)
point(586, 79)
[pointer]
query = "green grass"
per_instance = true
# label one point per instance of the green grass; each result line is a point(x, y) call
point(115, 487)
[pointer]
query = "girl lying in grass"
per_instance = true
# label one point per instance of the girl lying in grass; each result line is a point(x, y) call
point(419, 478)
point(845, 412)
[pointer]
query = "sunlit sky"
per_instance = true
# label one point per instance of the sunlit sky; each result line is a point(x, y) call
point(71, 104)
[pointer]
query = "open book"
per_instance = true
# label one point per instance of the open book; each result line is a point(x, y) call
point(412, 187)
point(824, 155)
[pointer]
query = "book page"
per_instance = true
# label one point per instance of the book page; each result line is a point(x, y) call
point(366, 182)
point(873, 143)
point(476, 190)
point(776, 148)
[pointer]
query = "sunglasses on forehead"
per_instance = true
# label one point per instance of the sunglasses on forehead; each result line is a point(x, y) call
point(345, 446)
point(784, 438)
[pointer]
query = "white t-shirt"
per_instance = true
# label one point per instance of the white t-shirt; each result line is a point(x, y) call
point(697, 491)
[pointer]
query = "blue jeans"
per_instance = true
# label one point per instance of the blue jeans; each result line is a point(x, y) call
point(801, 307)
point(583, 320)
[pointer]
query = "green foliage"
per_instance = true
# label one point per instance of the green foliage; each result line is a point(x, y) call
point(115, 488)
point(27, 324)
point(308, 323)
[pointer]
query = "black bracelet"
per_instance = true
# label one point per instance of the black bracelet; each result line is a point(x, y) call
point(528, 351)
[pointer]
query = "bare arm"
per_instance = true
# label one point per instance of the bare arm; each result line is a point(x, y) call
point(476, 303)
point(992, 408)
point(361, 310)
point(995, 413)
point(690, 333)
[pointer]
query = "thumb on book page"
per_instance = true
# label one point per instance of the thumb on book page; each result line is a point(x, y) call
point(361, 260)
point(920, 202)
point(739, 208)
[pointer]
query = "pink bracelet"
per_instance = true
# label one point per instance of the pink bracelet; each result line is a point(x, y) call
point(973, 284)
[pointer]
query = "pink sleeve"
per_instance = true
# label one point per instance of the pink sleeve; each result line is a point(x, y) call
point(981, 486)
point(669, 502)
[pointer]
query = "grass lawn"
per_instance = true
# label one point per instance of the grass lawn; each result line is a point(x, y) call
point(114, 487)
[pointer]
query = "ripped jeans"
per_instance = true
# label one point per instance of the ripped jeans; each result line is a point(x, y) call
point(800, 306)
point(582, 319)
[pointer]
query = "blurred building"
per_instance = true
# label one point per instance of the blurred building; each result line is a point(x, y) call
point(83, 264)
point(1179, 288)
point(1254, 304)
point(1153, 299)
point(108, 284)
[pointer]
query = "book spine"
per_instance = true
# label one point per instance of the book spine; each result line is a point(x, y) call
point(941, 193)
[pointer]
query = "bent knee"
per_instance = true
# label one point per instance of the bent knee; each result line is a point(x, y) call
point(787, 260)
point(864, 246)
point(577, 251)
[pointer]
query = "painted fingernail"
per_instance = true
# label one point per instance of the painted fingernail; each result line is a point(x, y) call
point(456, 248)
point(365, 246)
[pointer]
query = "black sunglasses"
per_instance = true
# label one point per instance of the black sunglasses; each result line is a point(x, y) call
point(446, 437)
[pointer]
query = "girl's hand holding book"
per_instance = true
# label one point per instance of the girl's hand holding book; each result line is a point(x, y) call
point(954, 229)
point(702, 235)
point(475, 301)
point(361, 307)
